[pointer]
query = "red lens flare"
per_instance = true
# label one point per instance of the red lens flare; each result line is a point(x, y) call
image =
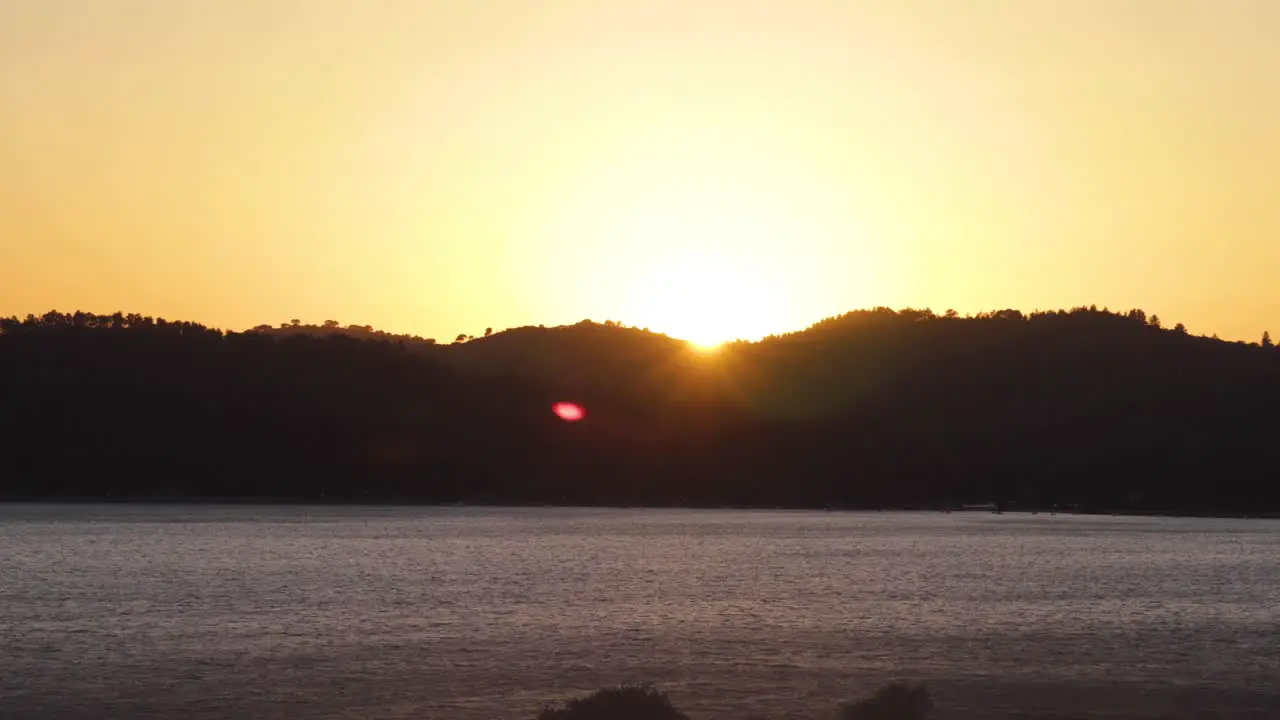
point(569, 412)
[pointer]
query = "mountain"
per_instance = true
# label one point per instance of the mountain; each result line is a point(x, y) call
point(873, 408)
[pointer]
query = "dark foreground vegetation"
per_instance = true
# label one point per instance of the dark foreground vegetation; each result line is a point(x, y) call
point(896, 701)
point(870, 409)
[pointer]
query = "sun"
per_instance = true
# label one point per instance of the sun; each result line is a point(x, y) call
point(709, 299)
point(698, 302)
point(708, 268)
point(711, 262)
point(706, 347)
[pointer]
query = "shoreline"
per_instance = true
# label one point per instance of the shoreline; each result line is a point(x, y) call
point(347, 502)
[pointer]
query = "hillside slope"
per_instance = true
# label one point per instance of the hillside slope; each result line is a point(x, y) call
point(872, 408)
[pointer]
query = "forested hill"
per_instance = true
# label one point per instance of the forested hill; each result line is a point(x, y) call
point(870, 409)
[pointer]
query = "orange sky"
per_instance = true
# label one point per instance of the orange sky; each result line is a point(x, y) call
point(707, 169)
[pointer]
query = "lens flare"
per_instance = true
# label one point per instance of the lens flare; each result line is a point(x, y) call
point(569, 412)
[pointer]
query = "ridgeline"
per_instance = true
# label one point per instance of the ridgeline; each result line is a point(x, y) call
point(875, 408)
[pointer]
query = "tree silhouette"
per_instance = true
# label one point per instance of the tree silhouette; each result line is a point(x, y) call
point(1082, 406)
point(1266, 340)
point(488, 331)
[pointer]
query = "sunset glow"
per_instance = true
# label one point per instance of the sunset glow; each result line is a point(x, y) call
point(711, 169)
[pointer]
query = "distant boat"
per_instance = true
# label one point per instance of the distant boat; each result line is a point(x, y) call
point(989, 506)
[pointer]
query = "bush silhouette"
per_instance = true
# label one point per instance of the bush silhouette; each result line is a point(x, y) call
point(895, 701)
point(626, 702)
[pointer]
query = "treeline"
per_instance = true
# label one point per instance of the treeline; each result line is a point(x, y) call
point(330, 328)
point(876, 408)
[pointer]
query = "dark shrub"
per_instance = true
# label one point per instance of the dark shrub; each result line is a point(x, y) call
point(895, 701)
point(626, 702)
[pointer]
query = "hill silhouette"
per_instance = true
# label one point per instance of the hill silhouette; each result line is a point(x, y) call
point(874, 408)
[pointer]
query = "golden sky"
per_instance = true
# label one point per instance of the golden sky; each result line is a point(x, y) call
point(707, 169)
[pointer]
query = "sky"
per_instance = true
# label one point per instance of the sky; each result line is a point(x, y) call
point(709, 169)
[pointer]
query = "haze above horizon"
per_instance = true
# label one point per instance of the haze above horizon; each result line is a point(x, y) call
point(710, 170)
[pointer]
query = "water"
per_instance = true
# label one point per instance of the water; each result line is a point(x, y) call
point(201, 612)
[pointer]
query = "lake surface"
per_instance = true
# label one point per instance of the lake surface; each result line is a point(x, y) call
point(202, 612)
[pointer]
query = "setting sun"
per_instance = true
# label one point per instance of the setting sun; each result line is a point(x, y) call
point(709, 263)
point(708, 301)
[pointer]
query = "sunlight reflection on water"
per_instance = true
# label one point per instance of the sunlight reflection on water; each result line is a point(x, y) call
point(328, 612)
